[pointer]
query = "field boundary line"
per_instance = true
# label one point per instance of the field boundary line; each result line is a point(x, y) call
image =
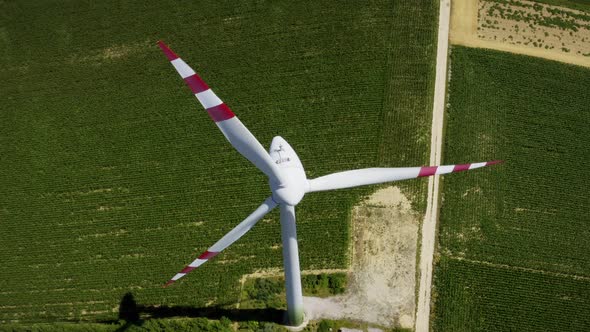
point(430, 220)
point(521, 268)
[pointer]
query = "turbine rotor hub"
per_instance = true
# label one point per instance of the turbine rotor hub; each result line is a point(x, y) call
point(292, 191)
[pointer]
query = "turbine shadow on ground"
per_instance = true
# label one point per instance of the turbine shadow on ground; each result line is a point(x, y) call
point(135, 314)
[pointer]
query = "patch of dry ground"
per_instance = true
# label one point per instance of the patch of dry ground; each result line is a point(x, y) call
point(382, 279)
point(112, 53)
point(534, 25)
point(523, 27)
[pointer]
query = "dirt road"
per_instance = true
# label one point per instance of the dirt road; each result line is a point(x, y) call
point(430, 220)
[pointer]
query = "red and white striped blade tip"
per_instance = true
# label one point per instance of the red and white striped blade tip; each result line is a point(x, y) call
point(187, 269)
point(493, 162)
point(169, 53)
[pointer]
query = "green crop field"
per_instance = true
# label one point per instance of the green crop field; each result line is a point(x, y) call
point(113, 178)
point(582, 5)
point(513, 240)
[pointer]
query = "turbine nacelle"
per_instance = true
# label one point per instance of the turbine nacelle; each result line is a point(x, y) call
point(295, 184)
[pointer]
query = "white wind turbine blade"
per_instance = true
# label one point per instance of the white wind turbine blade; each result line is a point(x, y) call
point(229, 238)
point(366, 176)
point(232, 128)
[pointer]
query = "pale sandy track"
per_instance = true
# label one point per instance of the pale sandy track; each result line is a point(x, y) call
point(430, 220)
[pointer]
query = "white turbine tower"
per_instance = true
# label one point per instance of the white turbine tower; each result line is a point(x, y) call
point(287, 180)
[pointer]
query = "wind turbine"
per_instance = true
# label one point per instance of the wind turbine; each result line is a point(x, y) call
point(287, 180)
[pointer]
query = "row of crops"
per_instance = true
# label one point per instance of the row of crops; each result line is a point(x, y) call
point(113, 178)
point(479, 297)
point(513, 239)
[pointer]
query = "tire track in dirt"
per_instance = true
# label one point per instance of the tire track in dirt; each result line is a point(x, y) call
point(430, 221)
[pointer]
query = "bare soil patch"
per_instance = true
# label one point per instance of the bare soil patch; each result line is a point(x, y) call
point(382, 280)
point(523, 27)
point(538, 26)
point(111, 53)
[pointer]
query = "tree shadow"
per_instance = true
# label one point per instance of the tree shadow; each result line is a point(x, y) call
point(128, 309)
point(128, 312)
point(134, 314)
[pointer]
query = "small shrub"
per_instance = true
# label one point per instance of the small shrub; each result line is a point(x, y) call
point(326, 326)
